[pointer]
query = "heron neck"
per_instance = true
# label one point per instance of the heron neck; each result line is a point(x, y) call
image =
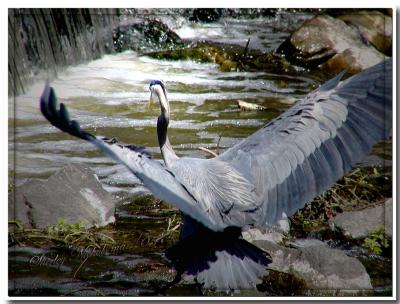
point(167, 152)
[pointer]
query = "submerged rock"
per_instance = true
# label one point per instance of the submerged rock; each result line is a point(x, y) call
point(359, 224)
point(325, 271)
point(72, 193)
point(331, 44)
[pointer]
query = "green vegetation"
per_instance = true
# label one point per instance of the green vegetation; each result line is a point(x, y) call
point(63, 233)
point(377, 241)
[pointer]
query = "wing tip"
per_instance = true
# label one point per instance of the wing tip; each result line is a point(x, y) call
point(332, 83)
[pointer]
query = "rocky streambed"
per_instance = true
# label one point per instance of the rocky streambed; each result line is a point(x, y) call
point(90, 229)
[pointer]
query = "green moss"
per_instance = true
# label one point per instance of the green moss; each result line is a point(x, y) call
point(202, 53)
point(230, 58)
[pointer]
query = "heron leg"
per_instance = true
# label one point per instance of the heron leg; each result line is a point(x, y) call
point(199, 285)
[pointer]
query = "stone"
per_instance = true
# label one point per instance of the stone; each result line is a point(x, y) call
point(275, 234)
point(374, 27)
point(305, 242)
point(322, 268)
point(331, 44)
point(389, 217)
point(145, 35)
point(206, 14)
point(73, 193)
point(255, 234)
point(359, 224)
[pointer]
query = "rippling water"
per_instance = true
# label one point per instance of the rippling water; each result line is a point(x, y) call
point(109, 97)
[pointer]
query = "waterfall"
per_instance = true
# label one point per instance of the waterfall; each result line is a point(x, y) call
point(43, 41)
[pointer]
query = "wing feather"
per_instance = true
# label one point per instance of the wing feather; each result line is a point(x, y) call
point(305, 150)
point(277, 169)
point(161, 181)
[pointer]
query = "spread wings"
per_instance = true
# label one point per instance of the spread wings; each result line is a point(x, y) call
point(277, 169)
point(304, 151)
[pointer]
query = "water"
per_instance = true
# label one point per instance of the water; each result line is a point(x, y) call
point(109, 97)
point(265, 34)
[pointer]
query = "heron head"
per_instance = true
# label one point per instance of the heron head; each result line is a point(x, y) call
point(158, 93)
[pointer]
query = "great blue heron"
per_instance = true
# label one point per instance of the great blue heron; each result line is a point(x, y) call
point(271, 173)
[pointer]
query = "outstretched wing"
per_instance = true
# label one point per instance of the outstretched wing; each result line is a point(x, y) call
point(161, 181)
point(304, 151)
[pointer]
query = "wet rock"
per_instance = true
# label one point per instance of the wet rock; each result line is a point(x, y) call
point(323, 269)
point(389, 217)
point(269, 62)
point(359, 224)
point(274, 234)
point(374, 27)
point(330, 43)
point(200, 53)
point(255, 234)
point(73, 193)
point(145, 35)
point(307, 242)
point(206, 14)
point(228, 57)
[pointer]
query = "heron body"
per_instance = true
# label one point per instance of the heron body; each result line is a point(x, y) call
point(272, 173)
point(293, 158)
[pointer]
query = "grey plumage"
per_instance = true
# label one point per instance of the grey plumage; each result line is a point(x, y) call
point(304, 151)
point(219, 260)
point(275, 171)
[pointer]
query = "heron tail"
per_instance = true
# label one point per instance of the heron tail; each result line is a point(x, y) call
point(220, 260)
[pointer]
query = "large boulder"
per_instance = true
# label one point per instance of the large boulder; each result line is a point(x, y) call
point(325, 270)
point(374, 27)
point(73, 193)
point(331, 44)
point(359, 224)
